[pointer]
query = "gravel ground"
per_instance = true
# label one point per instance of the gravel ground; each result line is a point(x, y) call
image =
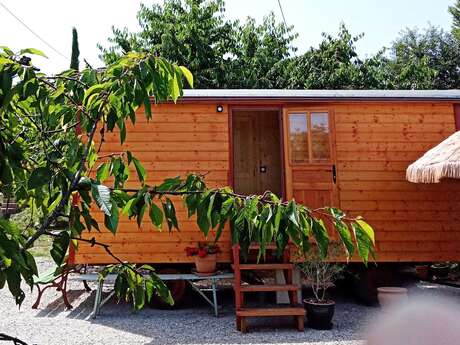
point(117, 324)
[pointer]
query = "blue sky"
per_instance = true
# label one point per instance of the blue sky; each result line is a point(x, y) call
point(381, 21)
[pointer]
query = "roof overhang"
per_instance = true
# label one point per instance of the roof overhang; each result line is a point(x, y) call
point(273, 95)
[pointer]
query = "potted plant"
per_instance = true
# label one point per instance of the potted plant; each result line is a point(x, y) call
point(440, 270)
point(205, 256)
point(320, 275)
point(423, 272)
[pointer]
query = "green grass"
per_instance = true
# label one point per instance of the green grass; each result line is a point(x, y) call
point(42, 247)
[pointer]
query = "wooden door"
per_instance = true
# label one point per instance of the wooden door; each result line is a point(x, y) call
point(245, 155)
point(309, 149)
point(256, 152)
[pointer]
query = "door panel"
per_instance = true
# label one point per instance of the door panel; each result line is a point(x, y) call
point(256, 152)
point(244, 154)
point(310, 157)
point(269, 152)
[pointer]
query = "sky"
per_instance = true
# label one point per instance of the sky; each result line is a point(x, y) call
point(381, 21)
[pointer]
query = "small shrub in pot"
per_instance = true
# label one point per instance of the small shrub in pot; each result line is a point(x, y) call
point(320, 275)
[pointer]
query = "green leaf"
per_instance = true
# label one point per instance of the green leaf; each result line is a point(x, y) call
point(292, 213)
point(111, 221)
point(148, 107)
point(188, 75)
point(121, 286)
point(127, 208)
point(103, 172)
point(156, 216)
point(141, 215)
point(170, 214)
point(321, 237)
point(138, 297)
point(32, 51)
point(59, 248)
point(149, 288)
point(202, 217)
point(345, 236)
point(13, 278)
point(141, 173)
point(30, 260)
point(367, 230)
point(2, 279)
point(363, 241)
point(101, 194)
point(55, 203)
point(39, 177)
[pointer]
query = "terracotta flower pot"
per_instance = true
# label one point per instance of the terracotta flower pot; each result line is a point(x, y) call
point(206, 264)
point(423, 272)
point(391, 296)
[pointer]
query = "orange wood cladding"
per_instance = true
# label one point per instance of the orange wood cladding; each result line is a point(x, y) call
point(373, 143)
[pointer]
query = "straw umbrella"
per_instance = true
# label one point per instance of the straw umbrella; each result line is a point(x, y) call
point(442, 161)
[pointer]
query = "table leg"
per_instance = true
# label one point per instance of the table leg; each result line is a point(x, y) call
point(202, 294)
point(97, 299)
point(214, 297)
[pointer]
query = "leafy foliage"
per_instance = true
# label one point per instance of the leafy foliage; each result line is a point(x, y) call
point(74, 63)
point(428, 59)
point(221, 53)
point(137, 284)
point(454, 10)
point(232, 54)
point(45, 164)
point(59, 174)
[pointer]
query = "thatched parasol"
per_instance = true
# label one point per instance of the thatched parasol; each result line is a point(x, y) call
point(442, 161)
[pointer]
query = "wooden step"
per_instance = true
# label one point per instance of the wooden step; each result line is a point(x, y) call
point(265, 288)
point(273, 266)
point(282, 311)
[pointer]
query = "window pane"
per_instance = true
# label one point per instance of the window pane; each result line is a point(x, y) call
point(320, 136)
point(298, 137)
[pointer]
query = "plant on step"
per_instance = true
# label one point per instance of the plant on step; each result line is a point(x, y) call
point(52, 161)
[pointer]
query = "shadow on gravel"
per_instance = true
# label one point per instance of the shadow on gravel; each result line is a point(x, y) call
point(56, 306)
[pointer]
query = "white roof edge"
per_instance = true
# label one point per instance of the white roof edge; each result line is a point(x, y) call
point(321, 94)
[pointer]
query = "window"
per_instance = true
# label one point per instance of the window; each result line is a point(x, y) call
point(309, 136)
point(298, 135)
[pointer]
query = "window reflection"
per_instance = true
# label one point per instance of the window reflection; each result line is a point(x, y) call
point(309, 129)
point(320, 146)
point(298, 129)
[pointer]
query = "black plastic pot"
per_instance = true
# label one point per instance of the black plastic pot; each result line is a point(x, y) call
point(319, 315)
point(440, 271)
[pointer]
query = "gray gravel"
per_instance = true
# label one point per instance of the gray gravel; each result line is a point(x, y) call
point(117, 324)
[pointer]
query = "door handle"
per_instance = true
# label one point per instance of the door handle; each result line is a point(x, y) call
point(334, 174)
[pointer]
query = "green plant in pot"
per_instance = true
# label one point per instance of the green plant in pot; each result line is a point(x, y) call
point(320, 275)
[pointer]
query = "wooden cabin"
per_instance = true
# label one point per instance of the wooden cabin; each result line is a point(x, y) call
point(344, 148)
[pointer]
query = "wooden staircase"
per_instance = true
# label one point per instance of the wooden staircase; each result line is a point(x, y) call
point(242, 312)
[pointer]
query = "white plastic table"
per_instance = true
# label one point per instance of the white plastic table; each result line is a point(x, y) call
point(190, 278)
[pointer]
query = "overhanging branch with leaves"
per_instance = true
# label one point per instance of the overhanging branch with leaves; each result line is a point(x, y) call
point(44, 163)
